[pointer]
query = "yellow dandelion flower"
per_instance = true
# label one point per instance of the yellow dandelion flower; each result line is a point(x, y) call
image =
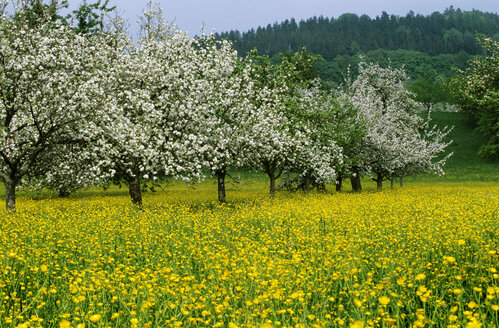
point(474, 324)
point(64, 324)
point(95, 317)
point(450, 259)
point(420, 276)
point(384, 300)
point(357, 324)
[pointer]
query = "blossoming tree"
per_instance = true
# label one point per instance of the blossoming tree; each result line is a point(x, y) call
point(394, 145)
point(50, 89)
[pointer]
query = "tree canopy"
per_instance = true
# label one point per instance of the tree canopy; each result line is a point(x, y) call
point(477, 90)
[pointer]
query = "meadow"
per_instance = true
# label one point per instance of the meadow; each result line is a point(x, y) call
point(424, 255)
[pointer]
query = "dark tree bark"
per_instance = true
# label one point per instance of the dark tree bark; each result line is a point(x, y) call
point(221, 185)
point(63, 193)
point(272, 180)
point(355, 180)
point(306, 184)
point(401, 183)
point(134, 189)
point(391, 183)
point(10, 195)
point(379, 181)
point(270, 169)
point(339, 182)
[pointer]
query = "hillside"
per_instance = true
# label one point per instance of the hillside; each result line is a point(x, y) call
point(439, 41)
point(464, 165)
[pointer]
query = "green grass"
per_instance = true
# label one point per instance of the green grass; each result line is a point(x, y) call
point(464, 164)
point(466, 140)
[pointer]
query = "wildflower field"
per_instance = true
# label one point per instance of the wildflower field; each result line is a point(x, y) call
point(425, 255)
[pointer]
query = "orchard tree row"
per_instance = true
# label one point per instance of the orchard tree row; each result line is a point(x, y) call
point(80, 109)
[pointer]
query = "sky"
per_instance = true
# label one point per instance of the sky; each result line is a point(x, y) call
point(226, 15)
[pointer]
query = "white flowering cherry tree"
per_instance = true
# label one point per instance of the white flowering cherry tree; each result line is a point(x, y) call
point(394, 144)
point(225, 108)
point(271, 144)
point(285, 133)
point(151, 129)
point(49, 91)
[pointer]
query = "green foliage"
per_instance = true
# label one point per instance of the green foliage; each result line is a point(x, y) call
point(90, 17)
point(439, 42)
point(416, 64)
point(464, 164)
point(300, 66)
point(429, 89)
point(477, 90)
point(294, 70)
point(37, 12)
point(349, 34)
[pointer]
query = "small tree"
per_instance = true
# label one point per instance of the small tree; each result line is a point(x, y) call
point(348, 131)
point(275, 138)
point(224, 108)
point(291, 132)
point(319, 156)
point(390, 146)
point(50, 91)
point(157, 89)
point(428, 89)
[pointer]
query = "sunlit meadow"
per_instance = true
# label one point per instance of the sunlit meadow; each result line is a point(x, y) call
point(420, 256)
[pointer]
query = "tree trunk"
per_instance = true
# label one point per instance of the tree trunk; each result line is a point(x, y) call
point(401, 183)
point(391, 183)
point(321, 187)
point(272, 186)
point(10, 196)
point(306, 184)
point(339, 183)
point(221, 185)
point(134, 188)
point(270, 169)
point(355, 180)
point(63, 193)
point(379, 182)
point(272, 180)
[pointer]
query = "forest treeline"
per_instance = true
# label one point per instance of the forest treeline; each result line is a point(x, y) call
point(421, 43)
